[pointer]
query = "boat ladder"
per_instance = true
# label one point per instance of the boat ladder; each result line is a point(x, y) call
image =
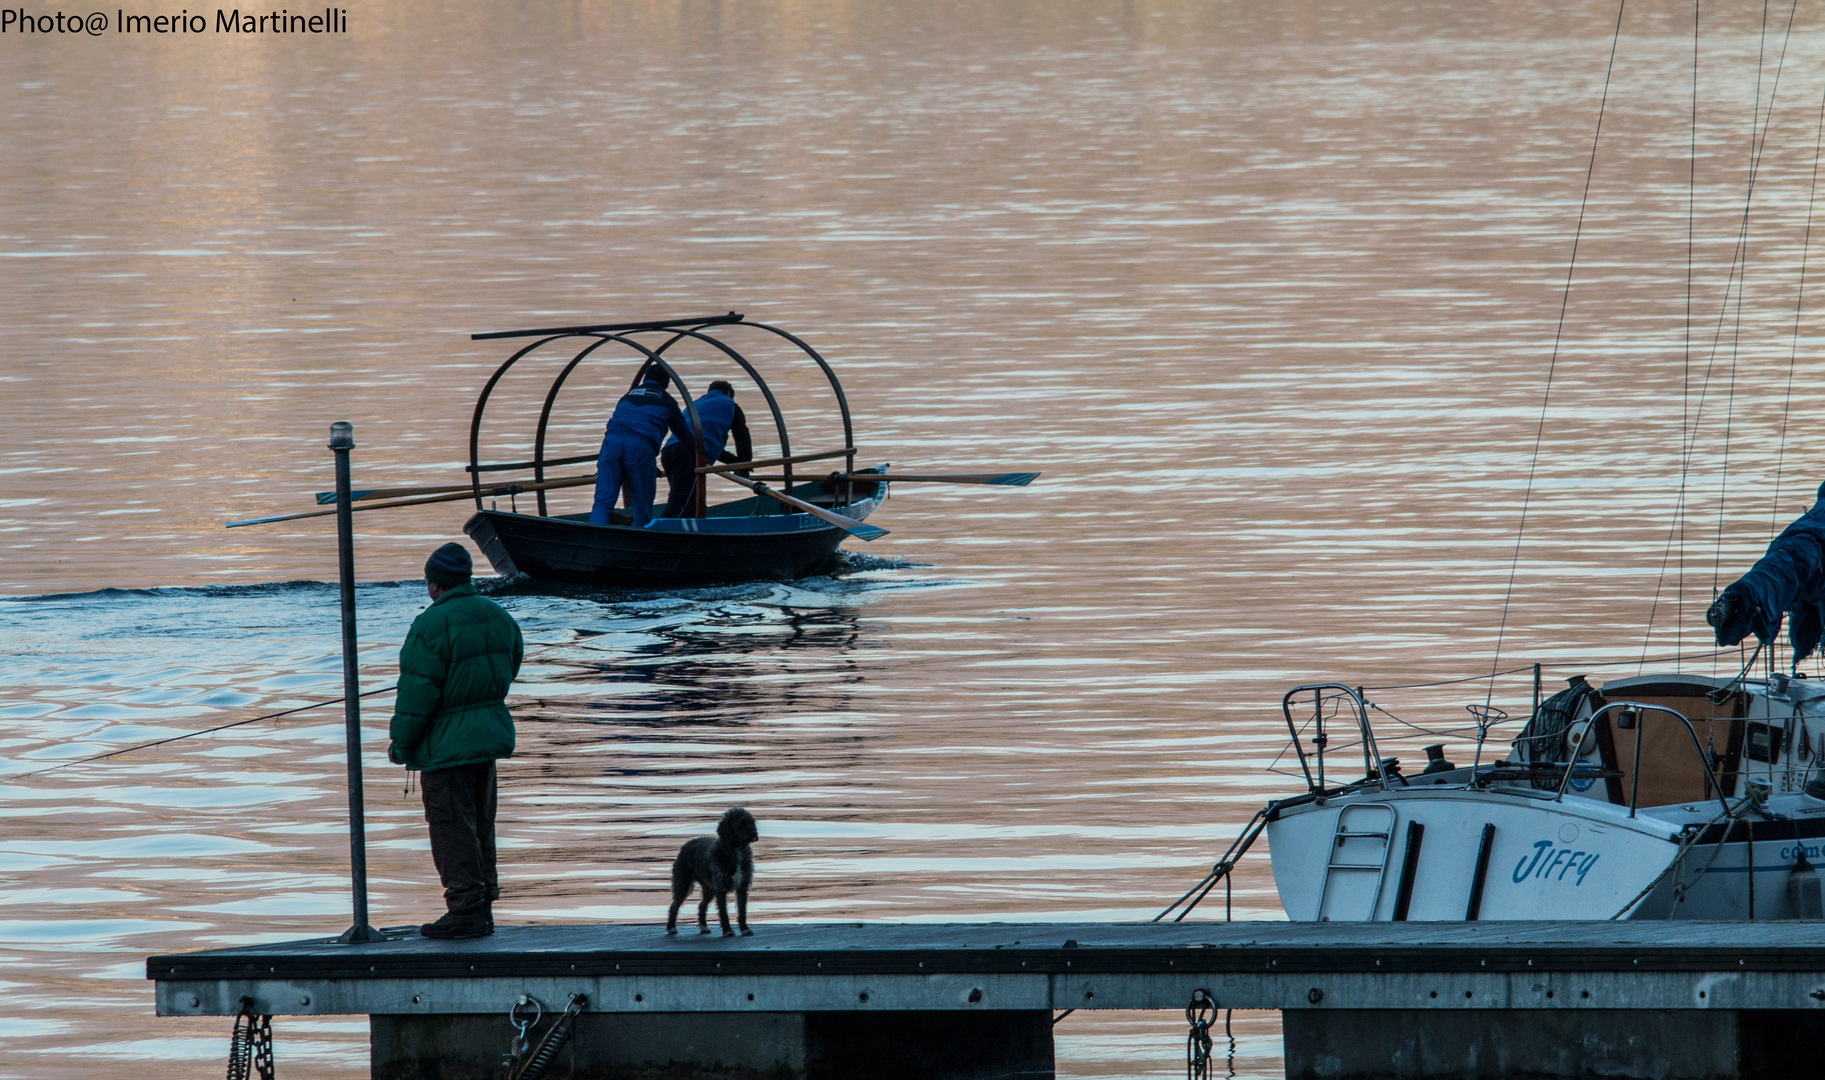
point(1358, 864)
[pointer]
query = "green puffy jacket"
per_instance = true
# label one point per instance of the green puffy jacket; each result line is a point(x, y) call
point(454, 669)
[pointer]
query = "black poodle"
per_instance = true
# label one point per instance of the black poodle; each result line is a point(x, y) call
point(716, 864)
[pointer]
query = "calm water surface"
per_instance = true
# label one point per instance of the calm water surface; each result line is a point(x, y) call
point(1268, 293)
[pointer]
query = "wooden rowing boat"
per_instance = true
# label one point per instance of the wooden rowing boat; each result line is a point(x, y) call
point(743, 540)
point(773, 533)
point(776, 533)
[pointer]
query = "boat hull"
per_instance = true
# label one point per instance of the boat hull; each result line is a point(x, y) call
point(1546, 860)
point(1734, 831)
point(723, 548)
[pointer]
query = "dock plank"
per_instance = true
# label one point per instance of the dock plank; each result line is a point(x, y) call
point(812, 966)
point(1016, 947)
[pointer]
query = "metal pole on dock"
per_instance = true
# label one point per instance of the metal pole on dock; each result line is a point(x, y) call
point(342, 440)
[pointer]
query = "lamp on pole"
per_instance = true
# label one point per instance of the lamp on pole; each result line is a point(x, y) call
point(342, 440)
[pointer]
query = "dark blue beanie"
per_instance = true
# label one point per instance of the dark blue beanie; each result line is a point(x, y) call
point(449, 566)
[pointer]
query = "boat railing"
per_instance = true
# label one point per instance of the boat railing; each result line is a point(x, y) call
point(1323, 693)
point(1633, 714)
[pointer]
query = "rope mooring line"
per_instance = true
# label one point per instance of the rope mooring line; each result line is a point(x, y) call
point(1220, 872)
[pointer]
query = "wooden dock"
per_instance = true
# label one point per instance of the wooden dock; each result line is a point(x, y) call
point(1605, 977)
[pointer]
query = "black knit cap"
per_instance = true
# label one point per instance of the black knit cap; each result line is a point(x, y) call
point(449, 566)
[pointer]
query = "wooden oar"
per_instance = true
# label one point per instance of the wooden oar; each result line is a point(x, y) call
point(1010, 479)
point(578, 460)
point(736, 466)
point(858, 529)
point(1013, 479)
point(466, 493)
point(325, 498)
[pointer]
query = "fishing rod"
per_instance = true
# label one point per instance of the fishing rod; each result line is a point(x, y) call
point(237, 723)
point(189, 735)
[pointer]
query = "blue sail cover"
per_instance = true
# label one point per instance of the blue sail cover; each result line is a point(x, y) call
point(1789, 578)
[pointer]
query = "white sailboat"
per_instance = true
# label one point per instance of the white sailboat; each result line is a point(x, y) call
point(1650, 797)
point(1656, 796)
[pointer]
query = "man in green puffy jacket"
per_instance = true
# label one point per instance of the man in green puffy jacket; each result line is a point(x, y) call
point(451, 722)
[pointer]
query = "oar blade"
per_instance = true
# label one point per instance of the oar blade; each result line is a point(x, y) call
point(1011, 479)
point(857, 529)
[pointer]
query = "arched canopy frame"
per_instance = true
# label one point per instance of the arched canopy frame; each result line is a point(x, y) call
point(551, 396)
point(836, 386)
point(602, 334)
point(538, 465)
point(779, 420)
point(842, 403)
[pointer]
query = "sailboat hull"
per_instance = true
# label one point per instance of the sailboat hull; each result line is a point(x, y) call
point(1414, 854)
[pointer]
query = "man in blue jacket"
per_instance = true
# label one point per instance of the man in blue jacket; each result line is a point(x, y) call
point(721, 418)
point(640, 420)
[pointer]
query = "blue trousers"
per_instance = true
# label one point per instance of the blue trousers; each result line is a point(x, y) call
point(625, 465)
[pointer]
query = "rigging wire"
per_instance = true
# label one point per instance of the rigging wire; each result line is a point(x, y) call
point(1438, 732)
point(1685, 390)
point(1685, 363)
point(1558, 335)
point(1677, 525)
point(1692, 417)
point(1799, 306)
point(1580, 664)
point(1756, 149)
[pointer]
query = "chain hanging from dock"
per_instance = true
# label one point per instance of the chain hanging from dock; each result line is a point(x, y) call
point(250, 1047)
point(1199, 1014)
point(517, 1048)
point(534, 1067)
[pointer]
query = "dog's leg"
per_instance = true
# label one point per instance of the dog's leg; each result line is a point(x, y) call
point(681, 888)
point(703, 913)
point(741, 910)
point(722, 912)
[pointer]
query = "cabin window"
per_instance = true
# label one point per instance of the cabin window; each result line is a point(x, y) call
point(1671, 771)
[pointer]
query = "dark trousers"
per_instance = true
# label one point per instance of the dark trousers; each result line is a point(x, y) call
point(680, 476)
point(459, 806)
point(624, 465)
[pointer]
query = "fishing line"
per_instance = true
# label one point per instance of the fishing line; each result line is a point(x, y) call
point(235, 724)
point(190, 735)
point(1558, 335)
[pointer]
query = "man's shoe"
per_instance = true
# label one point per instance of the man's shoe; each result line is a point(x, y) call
point(451, 926)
